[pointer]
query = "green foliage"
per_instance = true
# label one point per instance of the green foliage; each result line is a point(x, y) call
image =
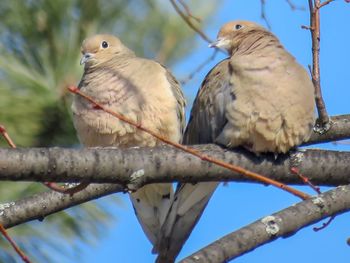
point(39, 57)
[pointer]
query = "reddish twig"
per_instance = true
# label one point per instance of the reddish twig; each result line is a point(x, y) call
point(50, 185)
point(2, 229)
point(306, 180)
point(314, 9)
point(192, 151)
point(6, 136)
point(318, 191)
point(199, 68)
point(14, 245)
point(70, 191)
point(188, 21)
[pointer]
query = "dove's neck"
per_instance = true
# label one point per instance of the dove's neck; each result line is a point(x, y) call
point(257, 43)
point(114, 61)
point(255, 52)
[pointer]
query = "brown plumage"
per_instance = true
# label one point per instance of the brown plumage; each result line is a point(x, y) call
point(259, 97)
point(143, 91)
point(270, 103)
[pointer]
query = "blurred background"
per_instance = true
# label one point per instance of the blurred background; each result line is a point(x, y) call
point(39, 57)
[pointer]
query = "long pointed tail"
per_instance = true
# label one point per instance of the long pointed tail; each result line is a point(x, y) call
point(151, 204)
point(188, 206)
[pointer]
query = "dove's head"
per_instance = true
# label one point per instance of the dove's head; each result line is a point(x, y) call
point(235, 33)
point(99, 49)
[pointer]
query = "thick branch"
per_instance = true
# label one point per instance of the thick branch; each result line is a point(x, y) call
point(340, 130)
point(135, 167)
point(281, 224)
point(162, 164)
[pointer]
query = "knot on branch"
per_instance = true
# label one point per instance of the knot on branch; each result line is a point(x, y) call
point(136, 180)
point(321, 126)
point(271, 225)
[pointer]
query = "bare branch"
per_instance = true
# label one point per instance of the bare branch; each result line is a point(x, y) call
point(324, 3)
point(340, 130)
point(199, 68)
point(38, 206)
point(188, 21)
point(3, 231)
point(190, 150)
point(263, 13)
point(136, 167)
point(97, 164)
point(188, 11)
point(14, 245)
point(323, 119)
point(281, 224)
point(6, 136)
point(294, 7)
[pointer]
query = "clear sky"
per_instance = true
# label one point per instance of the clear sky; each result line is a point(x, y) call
point(237, 204)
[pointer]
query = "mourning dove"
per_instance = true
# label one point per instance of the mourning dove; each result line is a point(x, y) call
point(259, 98)
point(143, 91)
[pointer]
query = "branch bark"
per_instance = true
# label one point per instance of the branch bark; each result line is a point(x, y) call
point(314, 9)
point(38, 206)
point(158, 165)
point(136, 167)
point(340, 129)
point(281, 224)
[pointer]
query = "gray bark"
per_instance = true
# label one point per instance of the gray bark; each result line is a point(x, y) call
point(135, 167)
point(281, 224)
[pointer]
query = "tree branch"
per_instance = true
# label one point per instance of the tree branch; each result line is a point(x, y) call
point(43, 204)
point(136, 167)
point(187, 19)
point(314, 9)
point(158, 165)
point(281, 224)
point(340, 130)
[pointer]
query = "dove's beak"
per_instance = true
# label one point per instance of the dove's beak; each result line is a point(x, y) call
point(85, 58)
point(219, 43)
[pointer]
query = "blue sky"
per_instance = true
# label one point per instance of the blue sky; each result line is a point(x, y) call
point(237, 204)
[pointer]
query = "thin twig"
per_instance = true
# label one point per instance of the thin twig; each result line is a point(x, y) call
point(323, 123)
point(324, 225)
point(324, 3)
point(6, 136)
point(70, 190)
point(318, 191)
point(53, 186)
point(306, 180)
point(8, 139)
point(199, 68)
point(294, 7)
point(204, 157)
point(263, 14)
point(14, 245)
point(188, 21)
point(188, 11)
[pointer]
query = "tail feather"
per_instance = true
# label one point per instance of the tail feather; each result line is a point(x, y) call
point(188, 206)
point(151, 204)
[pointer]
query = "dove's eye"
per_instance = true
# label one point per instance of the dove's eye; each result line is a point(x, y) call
point(238, 26)
point(104, 44)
